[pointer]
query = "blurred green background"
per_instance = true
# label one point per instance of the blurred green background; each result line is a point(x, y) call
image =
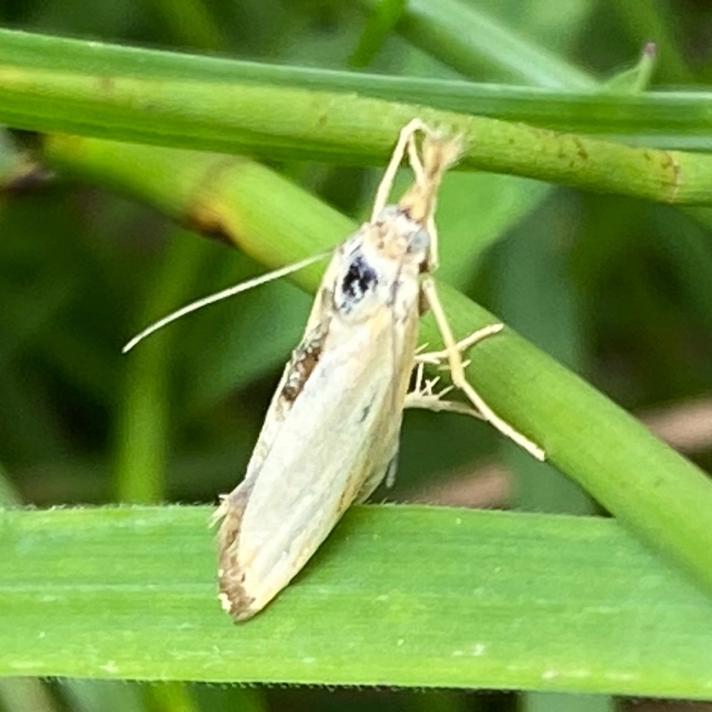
point(617, 289)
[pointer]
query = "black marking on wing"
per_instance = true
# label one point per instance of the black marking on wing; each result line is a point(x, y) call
point(359, 279)
point(364, 412)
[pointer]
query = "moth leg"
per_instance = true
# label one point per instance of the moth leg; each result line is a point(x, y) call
point(426, 397)
point(414, 160)
point(405, 143)
point(459, 379)
point(435, 358)
point(434, 253)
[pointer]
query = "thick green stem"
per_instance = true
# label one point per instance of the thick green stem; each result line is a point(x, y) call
point(663, 119)
point(276, 121)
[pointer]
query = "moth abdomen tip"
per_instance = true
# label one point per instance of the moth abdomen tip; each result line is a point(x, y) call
point(235, 602)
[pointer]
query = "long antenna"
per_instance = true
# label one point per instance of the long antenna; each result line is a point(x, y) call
point(224, 294)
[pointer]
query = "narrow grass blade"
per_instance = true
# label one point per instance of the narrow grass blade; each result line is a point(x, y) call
point(671, 119)
point(480, 599)
point(278, 121)
point(468, 39)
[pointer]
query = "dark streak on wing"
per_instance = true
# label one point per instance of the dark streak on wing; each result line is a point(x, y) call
point(304, 360)
point(230, 575)
point(364, 412)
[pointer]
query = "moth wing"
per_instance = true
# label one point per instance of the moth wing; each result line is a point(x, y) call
point(384, 470)
point(317, 324)
point(335, 446)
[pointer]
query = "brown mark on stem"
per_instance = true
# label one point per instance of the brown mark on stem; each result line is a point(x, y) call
point(106, 85)
point(209, 223)
point(676, 175)
point(205, 216)
point(580, 149)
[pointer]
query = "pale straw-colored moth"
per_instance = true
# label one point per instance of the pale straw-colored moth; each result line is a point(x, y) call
point(331, 432)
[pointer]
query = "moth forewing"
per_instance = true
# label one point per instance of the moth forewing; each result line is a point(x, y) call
point(332, 427)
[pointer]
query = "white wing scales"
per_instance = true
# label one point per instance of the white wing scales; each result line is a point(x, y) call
point(332, 428)
point(339, 437)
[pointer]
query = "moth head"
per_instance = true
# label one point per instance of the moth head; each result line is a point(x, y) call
point(397, 236)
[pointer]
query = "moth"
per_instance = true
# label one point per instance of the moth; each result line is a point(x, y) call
point(331, 433)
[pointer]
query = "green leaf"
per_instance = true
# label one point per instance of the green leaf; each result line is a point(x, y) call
point(274, 120)
point(659, 23)
point(637, 78)
point(144, 421)
point(381, 21)
point(470, 40)
point(501, 601)
point(677, 119)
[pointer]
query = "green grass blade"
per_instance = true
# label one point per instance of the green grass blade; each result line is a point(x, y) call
point(479, 599)
point(665, 119)
point(191, 22)
point(276, 121)
point(144, 422)
point(659, 22)
point(637, 78)
point(657, 492)
point(379, 25)
point(469, 39)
